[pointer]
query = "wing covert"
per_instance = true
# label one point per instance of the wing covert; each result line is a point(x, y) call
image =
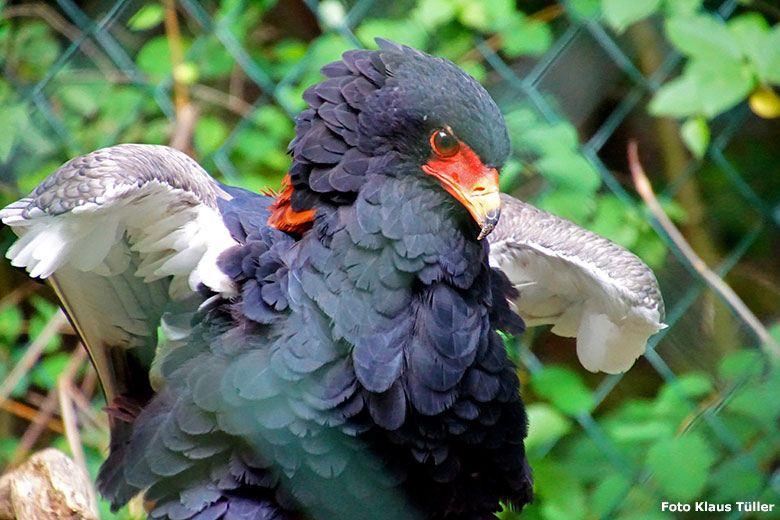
point(124, 235)
point(586, 286)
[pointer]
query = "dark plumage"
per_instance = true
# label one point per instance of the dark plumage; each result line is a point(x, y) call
point(355, 371)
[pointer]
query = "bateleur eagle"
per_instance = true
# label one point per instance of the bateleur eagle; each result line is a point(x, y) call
point(331, 352)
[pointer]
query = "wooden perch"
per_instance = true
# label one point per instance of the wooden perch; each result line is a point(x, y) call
point(49, 485)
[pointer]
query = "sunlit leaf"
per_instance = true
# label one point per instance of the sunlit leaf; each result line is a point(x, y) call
point(13, 119)
point(146, 17)
point(569, 170)
point(702, 36)
point(528, 37)
point(620, 13)
point(676, 98)
point(749, 31)
point(564, 388)
point(696, 135)
point(210, 133)
point(433, 13)
point(10, 324)
point(681, 465)
point(546, 425)
point(721, 83)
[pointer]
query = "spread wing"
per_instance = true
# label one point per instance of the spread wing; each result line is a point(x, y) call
point(583, 284)
point(125, 235)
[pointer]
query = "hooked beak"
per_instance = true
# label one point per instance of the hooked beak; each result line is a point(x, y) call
point(484, 203)
point(476, 190)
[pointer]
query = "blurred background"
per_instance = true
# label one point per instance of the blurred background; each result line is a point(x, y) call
point(694, 83)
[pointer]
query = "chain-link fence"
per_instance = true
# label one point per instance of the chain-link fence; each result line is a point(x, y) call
point(695, 420)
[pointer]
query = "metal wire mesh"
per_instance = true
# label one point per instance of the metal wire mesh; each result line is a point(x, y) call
point(99, 51)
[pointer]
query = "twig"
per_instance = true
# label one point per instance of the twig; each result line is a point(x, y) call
point(46, 409)
point(85, 407)
point(181, 97)
point(30, 414)
point(65, 389)
point(45, 412)
point(32, 354)
point(645, 191)
point(18, 294)
point(186, 117)
point(89, 381)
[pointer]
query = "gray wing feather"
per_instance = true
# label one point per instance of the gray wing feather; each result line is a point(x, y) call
point(581, 283)
point(123, 234)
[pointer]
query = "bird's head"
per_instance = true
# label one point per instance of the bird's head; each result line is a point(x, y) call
point(399, 111)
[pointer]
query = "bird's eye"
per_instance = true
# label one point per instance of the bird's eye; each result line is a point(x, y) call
point(444, 143)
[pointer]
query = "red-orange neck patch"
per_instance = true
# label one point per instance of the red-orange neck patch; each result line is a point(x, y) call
point(284, 217)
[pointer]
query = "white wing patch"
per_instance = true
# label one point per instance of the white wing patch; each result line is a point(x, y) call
point(173, 234)
point(125, 235)
point(581, 283)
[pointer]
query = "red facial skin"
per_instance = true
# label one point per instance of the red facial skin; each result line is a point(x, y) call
point(468, 180)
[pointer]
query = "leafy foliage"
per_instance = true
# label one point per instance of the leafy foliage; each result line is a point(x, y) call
point(667, 447)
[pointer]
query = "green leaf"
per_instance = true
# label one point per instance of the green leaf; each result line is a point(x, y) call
point(146, 17)
point(694, 385)
point(707, 87)
point(673, 397)
point(433, 13)
point(609, 491)
point(681, 7)
point(721, 83)
point(569, 204)
point(545, 426)
point(695, 134)
point(749, 31)
point(213, 60)
point(406, 32)
point(36, 49)
point(677, 98)
point(622, 13)
point(616, 221)
point(527, 37)
point(46, 372)
point(486, 16)
point(734, 480)
point(13, 119)
point(639, 432)
point(273, 121)
point(774, 331)
point(564, 388)
point(702, 36)
point(10, 324)
point(758, 403)
point(681, 465)
point(83, 99)
point(210, 133)
point(549, 139)
point(584, 8)
point(746, 363)
point(768, 59)
point(561, 494)
point(569, 170)
point(154, 58)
